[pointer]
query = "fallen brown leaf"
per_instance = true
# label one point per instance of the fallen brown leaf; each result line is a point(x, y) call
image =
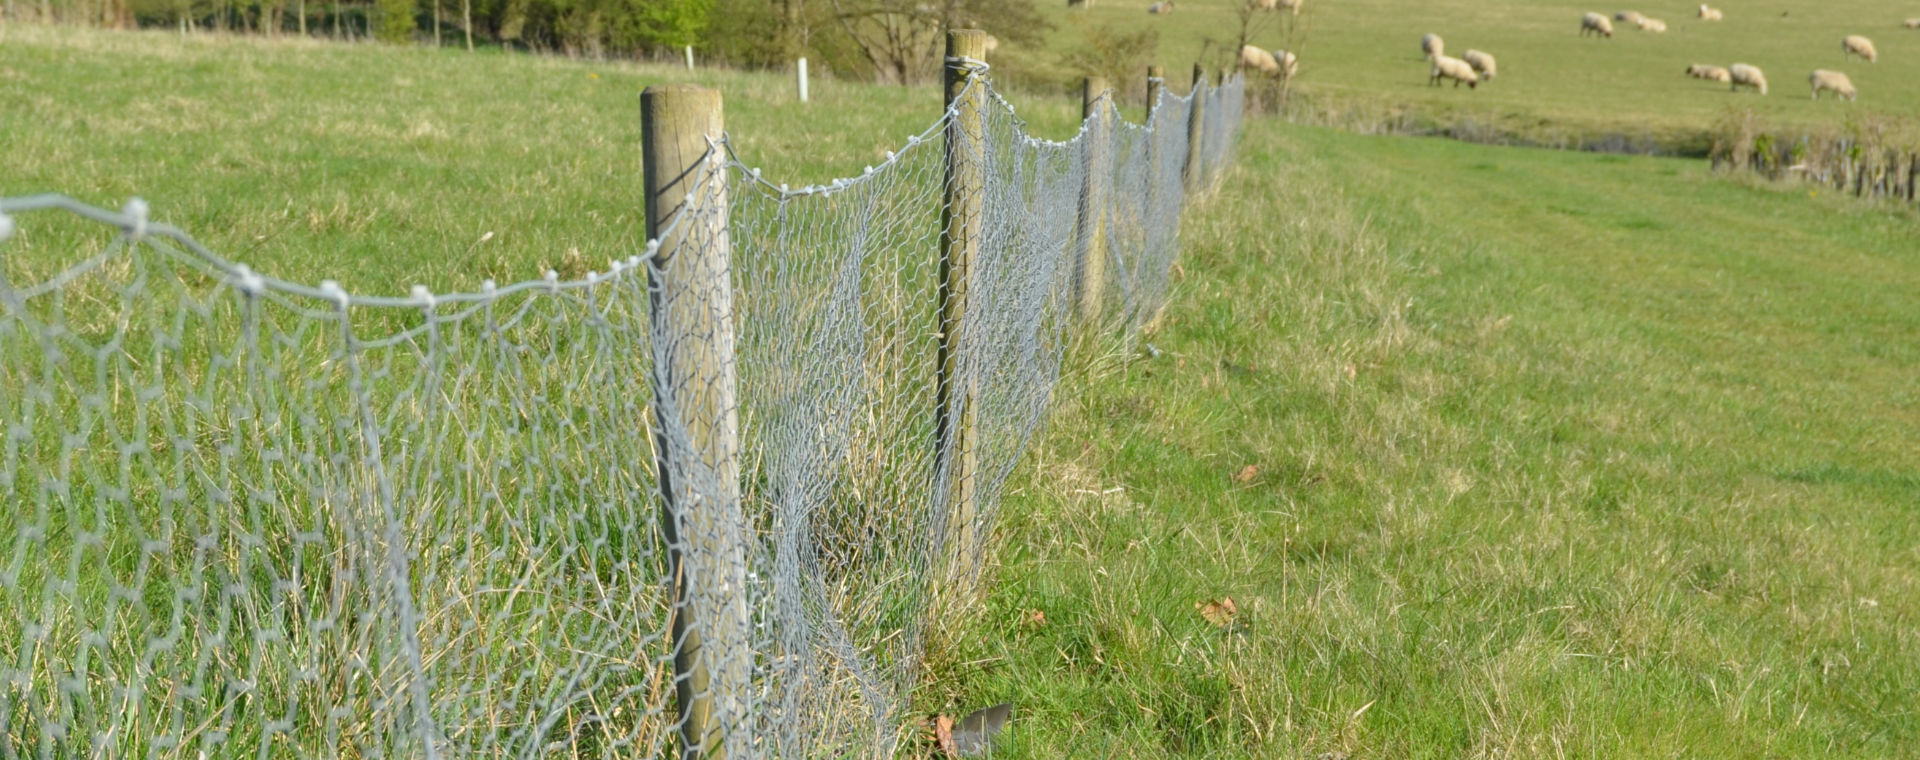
point(1247, 474)
point(1218, 613)
point(1033, 618)
point(943, 737)
point(1351, 370)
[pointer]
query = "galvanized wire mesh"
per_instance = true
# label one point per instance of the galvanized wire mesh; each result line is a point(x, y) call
point(253, 518)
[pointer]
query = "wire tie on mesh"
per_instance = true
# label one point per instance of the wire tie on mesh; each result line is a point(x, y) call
point(332, 291)
point(972, 65)
point(488, 286)
point(553, 281)
point(136, 213)
point(422, 297)
point(247, 281)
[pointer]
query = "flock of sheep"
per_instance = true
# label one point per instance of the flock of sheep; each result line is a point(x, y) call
point(1473, 62)
point(1476, 66)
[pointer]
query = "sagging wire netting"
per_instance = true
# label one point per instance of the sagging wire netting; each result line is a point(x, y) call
point(252, 518)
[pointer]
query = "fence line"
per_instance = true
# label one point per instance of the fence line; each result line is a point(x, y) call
point(1845, 164)
point(253, 517)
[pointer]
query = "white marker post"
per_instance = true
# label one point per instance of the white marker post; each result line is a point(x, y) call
point(803, 80)
point(689, 57)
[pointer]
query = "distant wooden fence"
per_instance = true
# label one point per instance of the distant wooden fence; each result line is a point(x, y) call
point(1844, 164)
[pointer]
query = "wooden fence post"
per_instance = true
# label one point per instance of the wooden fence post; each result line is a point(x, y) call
point(1913, 175)
point(1196, 132)
point(1090, 276)
point(1156, 190)
point(1156, 81)
point(695, 428)
point(956, 420)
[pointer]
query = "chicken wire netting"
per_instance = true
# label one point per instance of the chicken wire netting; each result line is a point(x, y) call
point(253, 518)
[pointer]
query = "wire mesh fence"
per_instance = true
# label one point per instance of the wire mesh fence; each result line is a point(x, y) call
point(254, 518)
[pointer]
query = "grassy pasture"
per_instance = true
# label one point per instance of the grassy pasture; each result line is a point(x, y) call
point(382, 167)
point(1552, 454)
point(1360, 60)
point(1556, 454)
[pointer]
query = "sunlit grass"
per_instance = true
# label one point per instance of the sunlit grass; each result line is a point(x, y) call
point(1556, 455)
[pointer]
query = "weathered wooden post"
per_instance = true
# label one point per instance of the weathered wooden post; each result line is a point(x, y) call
point(1090, 275)
point(1196, 132)
point(956, 420)
point(1156, 190)
point(694, 425)
point(1913, 175)
point(1156, 81)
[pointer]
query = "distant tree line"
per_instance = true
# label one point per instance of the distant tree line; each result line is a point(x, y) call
point(895, 41)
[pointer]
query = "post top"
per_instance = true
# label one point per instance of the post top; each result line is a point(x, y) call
point(966, 43)
point(678, 90)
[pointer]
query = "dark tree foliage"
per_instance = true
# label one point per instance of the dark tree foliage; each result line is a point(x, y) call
point(886, 40)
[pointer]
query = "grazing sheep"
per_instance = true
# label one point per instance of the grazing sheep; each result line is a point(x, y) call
point(1481, 62)
point(1259, 60)
point(1431, 45)
point(1631, 17)
point(1596, 23)
point(993, 43)
point(1651, 24)
point(1855, 44)
point(1750, 76)
point(1454, 69)
point(1288, 62)
point(1709, 13)
point(1161, 8)
point(1710, 73)
point(1823, 79)
point(1292, 6)
point(1912, 23)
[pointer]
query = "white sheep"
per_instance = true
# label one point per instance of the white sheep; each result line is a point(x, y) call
point(1651, 24)
point(1454, 69)
point(993, 43)
point(1161, 8)
point(1596, 23)
point(1288, 62)
point(1482, 62)
point(1631, 17)
point(1822, 79)
point(1710, 73)
point(1750, 76)
point(1259, 60)
point(1855, 44)
point(1431, 45)
point(1912, 23)
point(1291, 5)
point(1709, 13)
point(1260, 5)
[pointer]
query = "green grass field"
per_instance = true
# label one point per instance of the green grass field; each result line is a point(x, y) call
point(1557, 454)
point(1360, 61)
point(1552, 454)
